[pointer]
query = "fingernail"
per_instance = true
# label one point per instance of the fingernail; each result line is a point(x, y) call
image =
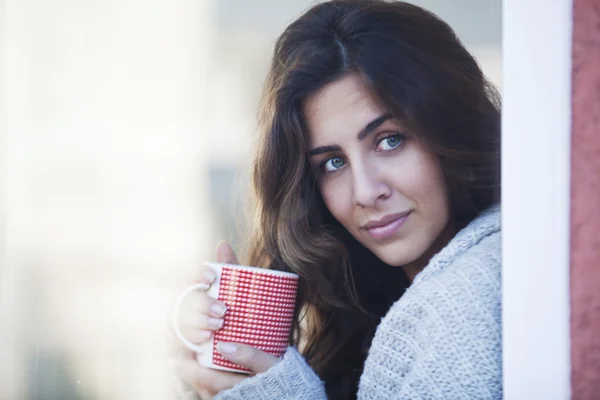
point(203, 335)
point(209, 276)
point(221, 244)
point(215, 323)
point(218, 309)
point(228, 348)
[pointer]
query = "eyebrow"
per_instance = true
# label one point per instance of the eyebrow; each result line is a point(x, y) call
point(366, 131)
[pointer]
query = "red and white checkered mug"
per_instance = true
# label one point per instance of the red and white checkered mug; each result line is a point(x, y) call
point(260, 308)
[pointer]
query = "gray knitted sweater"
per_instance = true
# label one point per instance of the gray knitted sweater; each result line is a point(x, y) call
point(441, 340)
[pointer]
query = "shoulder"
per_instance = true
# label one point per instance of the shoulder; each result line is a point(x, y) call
point(466, 291)
point(445, 332)
point(469, 286)
point(479, 268)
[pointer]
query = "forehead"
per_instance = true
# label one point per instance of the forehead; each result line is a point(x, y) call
point(341, 108)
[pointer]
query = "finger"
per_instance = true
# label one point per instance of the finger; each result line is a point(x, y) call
point(204, 379)
point(194, 274)
point(183, 310)
point(176, 348)
point(205, 395)
point(201, 312)
point(201, 303)
point(247, 356)
point(225, 254)
point(197, 336)
point(202, 321)
point(206, 274)
point(212, 307)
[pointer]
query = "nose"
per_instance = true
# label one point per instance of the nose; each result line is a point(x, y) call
point(369, 186)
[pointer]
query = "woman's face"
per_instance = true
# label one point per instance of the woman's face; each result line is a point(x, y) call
point(375, 177)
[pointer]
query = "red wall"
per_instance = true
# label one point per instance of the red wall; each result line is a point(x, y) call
point(585, 202)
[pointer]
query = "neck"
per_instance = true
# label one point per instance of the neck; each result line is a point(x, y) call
point(412, 269)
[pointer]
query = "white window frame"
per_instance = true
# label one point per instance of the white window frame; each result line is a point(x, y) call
point(536, 147)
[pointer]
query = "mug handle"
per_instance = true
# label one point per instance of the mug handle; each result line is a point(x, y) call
point(176, 330)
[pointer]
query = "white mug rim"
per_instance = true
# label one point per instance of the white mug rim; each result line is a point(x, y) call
point(253, 269)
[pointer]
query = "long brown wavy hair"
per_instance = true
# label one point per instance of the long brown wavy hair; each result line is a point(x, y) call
point(412, 63)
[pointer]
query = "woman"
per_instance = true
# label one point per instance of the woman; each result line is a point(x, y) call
point(377, 180)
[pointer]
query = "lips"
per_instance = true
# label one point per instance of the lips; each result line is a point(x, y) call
point(386, 226)
point(385, 220)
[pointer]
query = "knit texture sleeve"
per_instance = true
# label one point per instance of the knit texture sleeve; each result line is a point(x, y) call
point(443, 339)
point(291, 378)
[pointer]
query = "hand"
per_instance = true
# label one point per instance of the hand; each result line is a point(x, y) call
point(204, 381)
point(200, 315)
point(247, 356)
point(209, 382)
point(203, 317)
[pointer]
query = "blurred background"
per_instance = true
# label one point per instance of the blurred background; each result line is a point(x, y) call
point(129, 126)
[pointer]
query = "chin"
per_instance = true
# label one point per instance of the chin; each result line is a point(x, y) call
point(399, 253)
point(392, 258)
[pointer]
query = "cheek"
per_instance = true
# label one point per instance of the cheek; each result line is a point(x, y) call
point(423, 183)
point(427, 185)
point(337, 200)
point(434, 182)
point(431, 194)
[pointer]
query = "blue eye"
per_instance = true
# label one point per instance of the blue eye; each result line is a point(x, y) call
point(390, 143)
point(333, 164)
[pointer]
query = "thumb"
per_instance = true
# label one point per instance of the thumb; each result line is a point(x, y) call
point(247, 356)
point(225, 254)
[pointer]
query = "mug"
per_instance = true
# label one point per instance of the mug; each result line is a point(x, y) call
point(260, 309)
